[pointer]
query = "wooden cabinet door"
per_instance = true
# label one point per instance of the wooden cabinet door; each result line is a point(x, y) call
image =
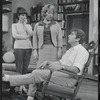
point(77, 21)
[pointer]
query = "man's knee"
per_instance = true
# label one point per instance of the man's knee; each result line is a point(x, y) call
point(40, 73)
point(36, 72)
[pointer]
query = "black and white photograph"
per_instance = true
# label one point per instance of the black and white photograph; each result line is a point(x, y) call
point(49, 50)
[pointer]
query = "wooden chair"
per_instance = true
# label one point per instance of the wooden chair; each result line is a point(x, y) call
point(65, 92)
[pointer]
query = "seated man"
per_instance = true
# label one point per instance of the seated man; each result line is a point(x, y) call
point(73, 60)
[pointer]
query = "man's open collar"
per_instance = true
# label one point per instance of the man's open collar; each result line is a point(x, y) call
point(77, 46)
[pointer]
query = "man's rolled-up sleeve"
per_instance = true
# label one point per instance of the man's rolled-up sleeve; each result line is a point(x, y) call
point(81, 60)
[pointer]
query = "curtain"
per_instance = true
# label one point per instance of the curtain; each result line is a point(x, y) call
point(93, 20)
point(93, 27)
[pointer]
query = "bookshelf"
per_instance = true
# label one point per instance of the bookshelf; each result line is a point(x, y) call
point(5, 10)
point(73, 6)
point(75, 13)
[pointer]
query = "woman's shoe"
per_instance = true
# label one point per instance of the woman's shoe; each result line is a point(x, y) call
point(5, 77)
point(20, 90)
point(24, 90)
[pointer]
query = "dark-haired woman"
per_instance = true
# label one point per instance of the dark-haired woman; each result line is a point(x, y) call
point(22, 32)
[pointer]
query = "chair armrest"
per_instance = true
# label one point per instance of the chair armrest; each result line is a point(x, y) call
point(63, 71)
point(47, 81)
point(91, 77)
point(71, 73)
point(86, 76)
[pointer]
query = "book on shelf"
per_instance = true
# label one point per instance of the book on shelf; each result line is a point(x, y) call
point(64, 1)
point(60, 16)
point(60, 8)
point(36, 9)
point(62, 24)
point(36, 17)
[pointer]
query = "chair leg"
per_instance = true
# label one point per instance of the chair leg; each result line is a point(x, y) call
point(78, 99)
point(60, 98)
point(12, 93)
point(64, 98)
point(39, 96)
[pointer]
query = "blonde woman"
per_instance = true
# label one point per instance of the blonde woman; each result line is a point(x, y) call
point(47, 36)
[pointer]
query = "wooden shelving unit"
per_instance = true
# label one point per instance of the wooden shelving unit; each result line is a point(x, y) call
point(4, 2)
point(70, 12)
point(70, 3)
point(66, 7)
point(4, 10)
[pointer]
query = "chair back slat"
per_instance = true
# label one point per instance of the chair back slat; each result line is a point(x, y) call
point(91, 54)
point(80, 79)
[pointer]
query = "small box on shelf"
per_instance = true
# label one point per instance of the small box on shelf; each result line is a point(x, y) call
point(4, 32)
point(6, 10)
point(4, 2)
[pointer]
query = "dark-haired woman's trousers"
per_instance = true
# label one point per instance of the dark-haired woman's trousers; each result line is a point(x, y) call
point(22, 60)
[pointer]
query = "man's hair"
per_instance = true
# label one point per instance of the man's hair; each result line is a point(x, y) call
point(79, 34)
point(21, 10)
point(46, 8)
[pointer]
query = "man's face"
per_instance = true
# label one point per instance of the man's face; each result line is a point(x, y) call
point(72, 38)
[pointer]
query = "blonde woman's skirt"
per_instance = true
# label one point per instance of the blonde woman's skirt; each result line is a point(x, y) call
point(47, 52)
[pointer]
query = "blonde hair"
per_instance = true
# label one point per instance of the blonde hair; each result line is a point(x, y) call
point(46, 8)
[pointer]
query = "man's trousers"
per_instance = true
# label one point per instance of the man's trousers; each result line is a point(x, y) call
point(40, 75)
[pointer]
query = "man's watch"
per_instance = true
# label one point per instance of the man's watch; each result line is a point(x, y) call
point(63, 67)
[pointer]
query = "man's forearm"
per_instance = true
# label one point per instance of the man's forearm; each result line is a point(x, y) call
point(73, 69)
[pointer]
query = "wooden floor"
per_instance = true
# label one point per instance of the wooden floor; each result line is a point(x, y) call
point(87, 91)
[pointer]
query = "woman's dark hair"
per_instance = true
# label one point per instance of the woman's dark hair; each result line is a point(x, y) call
point(21, 10)
point(79, 34)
